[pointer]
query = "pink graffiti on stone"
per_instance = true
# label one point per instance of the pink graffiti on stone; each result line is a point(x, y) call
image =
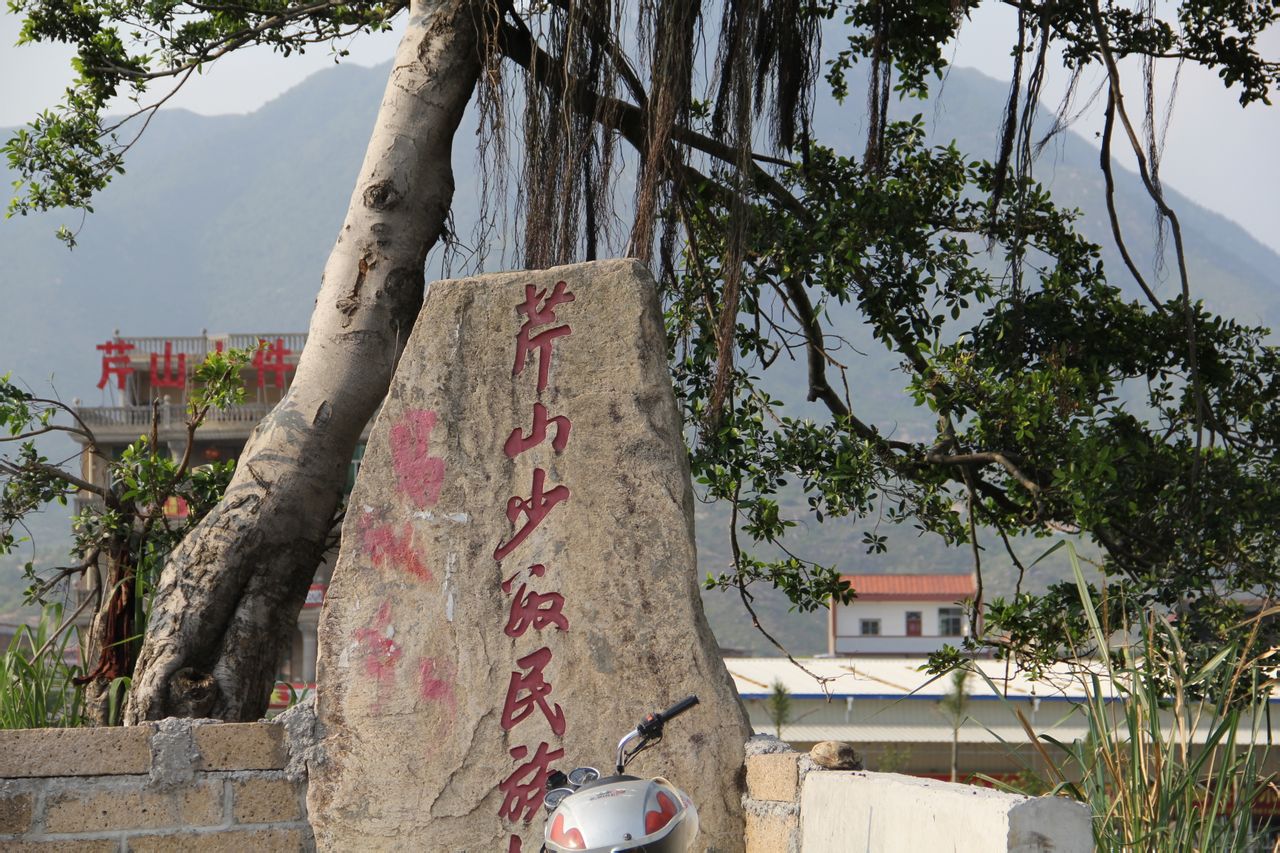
point(436, 681)
point(419, 474)
point(380, 653)
point(392, 549)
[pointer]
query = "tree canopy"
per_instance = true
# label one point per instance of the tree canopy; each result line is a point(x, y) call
point(1061, 405)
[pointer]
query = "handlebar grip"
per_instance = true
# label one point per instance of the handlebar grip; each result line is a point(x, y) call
point(679, 708)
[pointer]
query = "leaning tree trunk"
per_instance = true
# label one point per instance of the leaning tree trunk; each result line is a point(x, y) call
point(231, 593)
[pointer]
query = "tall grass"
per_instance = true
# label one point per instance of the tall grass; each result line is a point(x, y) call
point(35, 677)
point(1175, 752)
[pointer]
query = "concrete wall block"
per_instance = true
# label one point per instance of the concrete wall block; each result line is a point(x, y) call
point(173, 753)
point(774, 776)
point(120, 804)
point(1041, 823)
point(16, 809)
point(224, 841)
point(26, 753)
point(845, 811)
point(240, 746)
point(269, 799)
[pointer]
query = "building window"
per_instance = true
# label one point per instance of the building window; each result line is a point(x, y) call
point(913, 623)
point(950, 620)
point(870, 628)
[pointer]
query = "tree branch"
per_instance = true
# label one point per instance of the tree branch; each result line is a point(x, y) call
point(1104, 160)
point(746, 599)
point(987, 458)
point(43, 430)
point(1157, 196)
point(64, 572)
point(235, 41)
point(59, 474)
point(628, 119)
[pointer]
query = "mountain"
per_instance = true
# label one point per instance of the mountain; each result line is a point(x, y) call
point(224, 223)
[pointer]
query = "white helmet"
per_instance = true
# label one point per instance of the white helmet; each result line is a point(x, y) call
point(621, 813)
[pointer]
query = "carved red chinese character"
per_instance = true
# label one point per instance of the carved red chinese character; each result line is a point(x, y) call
point(115, 362)
point(527, 690)
point(517, 443)
point(168, 378)
point(536, 610)
point(537, 570)
point(539, 310)
point(535, 508)
point(269, 358)
point(524, 788)
point(515, 845)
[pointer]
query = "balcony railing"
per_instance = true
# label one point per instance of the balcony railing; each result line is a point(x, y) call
point(170, 415)
point(202, 345)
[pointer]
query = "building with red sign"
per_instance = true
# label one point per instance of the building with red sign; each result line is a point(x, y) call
point(142, 376)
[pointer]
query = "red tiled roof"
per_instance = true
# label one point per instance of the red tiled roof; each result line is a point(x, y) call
point(913, 587)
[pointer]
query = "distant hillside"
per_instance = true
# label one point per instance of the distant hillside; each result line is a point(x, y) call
point(224, 224)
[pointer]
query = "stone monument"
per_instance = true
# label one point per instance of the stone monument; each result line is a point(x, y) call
point(517, 584)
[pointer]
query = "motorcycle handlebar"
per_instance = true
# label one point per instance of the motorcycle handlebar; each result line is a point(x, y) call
point(651, 726)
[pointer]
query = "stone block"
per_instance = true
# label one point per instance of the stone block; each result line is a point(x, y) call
point(15, 813)
point(270, 800)
point(240, 746)
point(771, 831)
point(222, 841)
point(115, 805)
point(518, 583)
point(774, 777)
point(26, 753)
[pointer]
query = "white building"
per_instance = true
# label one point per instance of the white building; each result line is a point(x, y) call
point(901, 614)
point(891, 710)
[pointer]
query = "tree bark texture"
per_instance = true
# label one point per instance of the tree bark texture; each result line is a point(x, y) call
point(112, 647)
point(229, 596)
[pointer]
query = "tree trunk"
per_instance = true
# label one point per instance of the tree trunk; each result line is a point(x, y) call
point(112, 646)
point(230, 594)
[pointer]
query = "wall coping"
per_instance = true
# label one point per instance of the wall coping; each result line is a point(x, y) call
point(168, 751)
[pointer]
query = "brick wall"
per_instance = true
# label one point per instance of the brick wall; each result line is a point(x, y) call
point(190, 785)
point(179, 785)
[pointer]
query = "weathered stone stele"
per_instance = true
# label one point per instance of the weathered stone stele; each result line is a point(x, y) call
point(435, 656)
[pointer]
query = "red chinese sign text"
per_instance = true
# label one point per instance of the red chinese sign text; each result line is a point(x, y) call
point(529, 687)
point(269, 358)
point(115, 362)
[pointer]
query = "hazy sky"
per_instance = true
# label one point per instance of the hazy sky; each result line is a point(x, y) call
point(1217, 153)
